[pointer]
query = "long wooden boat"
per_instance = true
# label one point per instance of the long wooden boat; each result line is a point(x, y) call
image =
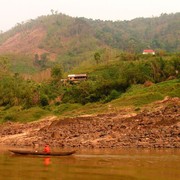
point(28, 152)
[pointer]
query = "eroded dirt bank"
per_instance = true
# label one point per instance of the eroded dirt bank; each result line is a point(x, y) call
point(155, 127)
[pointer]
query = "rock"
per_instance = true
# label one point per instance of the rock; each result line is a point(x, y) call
point(158, 128)
point(148, 83)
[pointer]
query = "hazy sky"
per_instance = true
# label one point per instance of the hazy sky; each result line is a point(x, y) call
point(16, 11)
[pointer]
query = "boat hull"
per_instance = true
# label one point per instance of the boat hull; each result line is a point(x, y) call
point(27, 152)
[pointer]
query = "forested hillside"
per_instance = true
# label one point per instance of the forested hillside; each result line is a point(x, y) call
point(73, 41)
point(156, 33)
point(58, 34)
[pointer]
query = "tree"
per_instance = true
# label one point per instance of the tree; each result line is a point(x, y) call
point(36, 57)
point(97, 57)
point(44, 100)
point(56, 72)
point(52, 11)
point(4, 65)
point(43, 59)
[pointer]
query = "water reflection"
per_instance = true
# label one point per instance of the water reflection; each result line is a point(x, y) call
point(47, 161)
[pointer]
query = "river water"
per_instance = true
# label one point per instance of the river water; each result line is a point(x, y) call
point(125, 164)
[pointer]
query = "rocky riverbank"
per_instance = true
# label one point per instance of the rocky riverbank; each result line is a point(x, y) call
point(157, 126)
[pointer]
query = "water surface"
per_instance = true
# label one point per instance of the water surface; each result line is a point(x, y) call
point(125, 164)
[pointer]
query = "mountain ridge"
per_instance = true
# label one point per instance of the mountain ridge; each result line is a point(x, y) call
point(59, 34)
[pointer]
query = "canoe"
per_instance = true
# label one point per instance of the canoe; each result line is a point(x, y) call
point(28, 152)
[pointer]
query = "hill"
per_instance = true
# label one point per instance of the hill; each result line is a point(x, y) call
point(52, 46)
point(72, 41)
point(55, 34)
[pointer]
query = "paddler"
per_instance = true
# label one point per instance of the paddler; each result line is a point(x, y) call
point(46, 148)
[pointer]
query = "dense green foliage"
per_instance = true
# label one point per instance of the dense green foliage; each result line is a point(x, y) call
point(15, 91)
point(107, 82)
point(136, 96)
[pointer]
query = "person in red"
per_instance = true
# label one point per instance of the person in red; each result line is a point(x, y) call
point(47, 148)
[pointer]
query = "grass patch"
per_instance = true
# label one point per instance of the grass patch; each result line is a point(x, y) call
point(138, 95)
point(139, 99)
point(64, 108)
point(16, 113)
point(33, 114)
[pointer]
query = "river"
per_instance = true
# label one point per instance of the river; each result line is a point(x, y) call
point(124, 164)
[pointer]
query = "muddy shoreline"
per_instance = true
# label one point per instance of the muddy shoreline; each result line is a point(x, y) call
point(157, 126)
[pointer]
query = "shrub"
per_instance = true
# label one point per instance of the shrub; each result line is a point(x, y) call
point(113, 95)
point(9, 117)
point(44, 100)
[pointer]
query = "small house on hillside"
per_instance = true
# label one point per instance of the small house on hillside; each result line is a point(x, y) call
point(149, 51)
point(74, 78)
